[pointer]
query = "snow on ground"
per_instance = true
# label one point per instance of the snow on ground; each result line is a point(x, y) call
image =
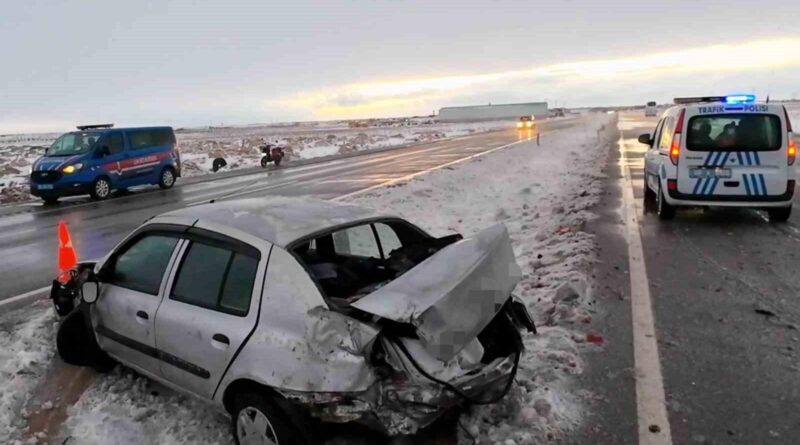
point(543, 195)
point(27, 348)
point(240, 145)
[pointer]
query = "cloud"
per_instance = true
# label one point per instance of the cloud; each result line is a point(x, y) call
point(407, 96)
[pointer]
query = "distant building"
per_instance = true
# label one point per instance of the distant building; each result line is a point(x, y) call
point(493, 112)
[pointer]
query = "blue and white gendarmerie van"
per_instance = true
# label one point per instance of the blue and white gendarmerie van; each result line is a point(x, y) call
point(722, 151)
point(98, 159)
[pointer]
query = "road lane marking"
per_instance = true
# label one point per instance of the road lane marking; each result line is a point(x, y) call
point(651, 404)
point(422, 172)
point(30, 295)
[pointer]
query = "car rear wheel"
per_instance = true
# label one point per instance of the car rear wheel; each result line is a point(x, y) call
point(665, 210)
point(50, 200)
point(258, 421)
point(101, 189)
point(167, 178)
point(649, 198)
point(779, 214)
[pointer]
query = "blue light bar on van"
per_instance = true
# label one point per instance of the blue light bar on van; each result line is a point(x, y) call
point(740, 99)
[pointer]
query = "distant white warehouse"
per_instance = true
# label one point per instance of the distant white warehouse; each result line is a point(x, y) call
point(492, 112)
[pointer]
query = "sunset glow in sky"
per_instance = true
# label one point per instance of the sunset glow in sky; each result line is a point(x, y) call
point(189, 63)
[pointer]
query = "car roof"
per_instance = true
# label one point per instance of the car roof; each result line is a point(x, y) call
point(278, 220)
point(106, 130)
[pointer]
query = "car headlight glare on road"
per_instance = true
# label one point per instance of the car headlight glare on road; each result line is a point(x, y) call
point(72, 168)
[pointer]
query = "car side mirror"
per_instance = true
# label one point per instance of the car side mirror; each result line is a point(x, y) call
point(646, 139)
point(89, 291)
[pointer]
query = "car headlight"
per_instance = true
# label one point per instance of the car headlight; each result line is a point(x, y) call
point(530, 124)
point(519, 124)
point(72, 168)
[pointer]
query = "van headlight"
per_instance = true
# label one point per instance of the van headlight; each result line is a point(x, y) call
point(72, 168)
point(519, 124)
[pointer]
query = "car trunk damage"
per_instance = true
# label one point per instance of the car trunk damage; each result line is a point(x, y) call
point(444, 333)
point(452, 295)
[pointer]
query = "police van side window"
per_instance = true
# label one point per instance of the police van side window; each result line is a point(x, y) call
point(666, 133)
point(151, 138)
point(114, 144)
point(140, 139)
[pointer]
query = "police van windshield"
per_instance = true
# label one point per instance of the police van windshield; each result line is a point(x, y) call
point(71, 144)
point(753, 132)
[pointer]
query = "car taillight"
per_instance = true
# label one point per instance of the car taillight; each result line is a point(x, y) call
point(675, 149)
point(791, 152)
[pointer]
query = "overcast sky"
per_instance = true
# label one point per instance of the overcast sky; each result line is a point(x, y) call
point(234, 62)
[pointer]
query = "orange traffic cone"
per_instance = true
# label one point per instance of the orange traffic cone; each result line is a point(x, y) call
point(67, 258)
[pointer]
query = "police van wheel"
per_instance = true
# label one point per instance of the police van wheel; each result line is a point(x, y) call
point(779, 214)
point(665, 210)
point(167, 178)
point(101, 189)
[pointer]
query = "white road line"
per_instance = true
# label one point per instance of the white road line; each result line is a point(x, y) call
point(32, 295)
point(650, 401)
point(413, 175)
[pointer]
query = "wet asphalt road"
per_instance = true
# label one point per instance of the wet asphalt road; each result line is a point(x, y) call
point(725, 292)
point(28, 240)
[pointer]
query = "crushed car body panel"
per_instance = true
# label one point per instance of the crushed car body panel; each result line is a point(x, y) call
point(451, 296)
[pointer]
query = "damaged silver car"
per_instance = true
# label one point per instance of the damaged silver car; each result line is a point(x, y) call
point(284, 311)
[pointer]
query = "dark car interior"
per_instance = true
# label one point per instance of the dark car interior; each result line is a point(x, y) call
point(346, 273)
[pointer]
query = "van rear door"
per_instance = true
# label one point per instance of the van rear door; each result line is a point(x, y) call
point(733, 151)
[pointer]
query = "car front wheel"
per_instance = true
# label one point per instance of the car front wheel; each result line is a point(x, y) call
point(101, 189)
point(258, 421)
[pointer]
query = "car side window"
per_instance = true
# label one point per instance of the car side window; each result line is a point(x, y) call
point(215, 278)
point(114, 144)
point(656, 133)
point(141, 265)
point(388, 239)
point(140, 139)
point(357, 241)
point(666, 133)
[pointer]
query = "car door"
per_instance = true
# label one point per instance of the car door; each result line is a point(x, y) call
point(210, 309)
point(652, 158)
point(148, 148)
point(112, 155)
point(132, 282)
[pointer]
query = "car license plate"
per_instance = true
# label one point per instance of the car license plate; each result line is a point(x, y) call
point(700, 173)
point(45, 186)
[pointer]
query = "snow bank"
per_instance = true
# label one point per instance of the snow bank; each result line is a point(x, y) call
point(26, 350)
point(543, 194)
point(125, 408)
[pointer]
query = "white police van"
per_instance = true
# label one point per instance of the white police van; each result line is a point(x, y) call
point(722, 151)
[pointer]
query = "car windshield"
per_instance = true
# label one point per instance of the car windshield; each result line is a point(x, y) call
point(734, 131)
point(73, 144)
